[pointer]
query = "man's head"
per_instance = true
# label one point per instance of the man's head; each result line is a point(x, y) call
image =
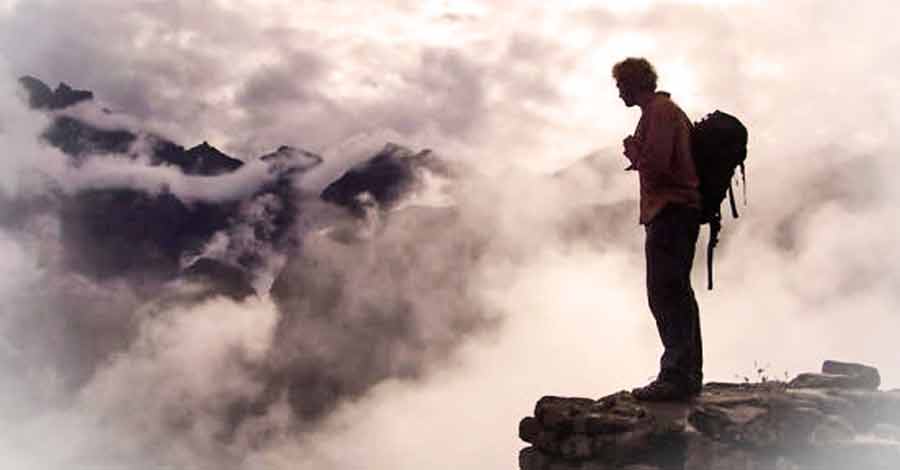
point(635, 77)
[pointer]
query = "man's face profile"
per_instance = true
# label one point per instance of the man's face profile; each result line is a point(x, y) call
point(626, 95)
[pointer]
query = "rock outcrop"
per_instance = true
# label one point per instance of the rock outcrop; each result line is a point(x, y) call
point(834, 420)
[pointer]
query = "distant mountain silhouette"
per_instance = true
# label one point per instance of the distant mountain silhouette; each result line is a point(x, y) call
point(116, 232)
point(386, 177)
point(201, 160)
point(288, 158)
point(353, 311)
point(41, 97)
point(204, 159)
point(80, 139)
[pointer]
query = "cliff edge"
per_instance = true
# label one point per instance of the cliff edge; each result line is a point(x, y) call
point(833, 420)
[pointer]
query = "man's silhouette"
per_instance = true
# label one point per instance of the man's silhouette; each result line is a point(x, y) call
point(660, 151)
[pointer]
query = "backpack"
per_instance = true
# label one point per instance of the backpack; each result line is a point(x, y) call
point(719, 146)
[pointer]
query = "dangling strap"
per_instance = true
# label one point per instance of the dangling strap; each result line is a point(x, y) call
point(744, 183)
point(714, 226)
point(734, 211)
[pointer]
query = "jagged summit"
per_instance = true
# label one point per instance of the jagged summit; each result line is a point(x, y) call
point(79, 139)
point(287, 159)
point(42, 97)
point(834, 420)
point(204, 159)
point(387, 176)
point(109, 223)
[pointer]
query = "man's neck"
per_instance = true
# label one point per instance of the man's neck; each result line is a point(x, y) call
point(644, 98)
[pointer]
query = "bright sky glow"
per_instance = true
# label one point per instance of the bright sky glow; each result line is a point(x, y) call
point(7, 5)
point(679, 79)
point(636, 6)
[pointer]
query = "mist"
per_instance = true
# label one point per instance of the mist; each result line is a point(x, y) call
point(420, 336)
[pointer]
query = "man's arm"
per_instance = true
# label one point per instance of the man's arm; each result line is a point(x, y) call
point(654, 157)
point(631, 152)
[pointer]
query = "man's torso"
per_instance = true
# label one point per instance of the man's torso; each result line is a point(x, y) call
point(677, 182)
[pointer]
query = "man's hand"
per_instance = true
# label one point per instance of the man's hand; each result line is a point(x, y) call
point(631, 151)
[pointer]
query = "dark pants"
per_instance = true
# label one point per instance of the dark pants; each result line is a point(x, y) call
point(669, 250)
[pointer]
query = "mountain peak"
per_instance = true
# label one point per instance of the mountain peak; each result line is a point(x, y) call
point(41, 97)
point(287, 159)
point(204, 159)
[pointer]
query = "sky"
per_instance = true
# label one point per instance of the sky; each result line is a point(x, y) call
point(517, 89)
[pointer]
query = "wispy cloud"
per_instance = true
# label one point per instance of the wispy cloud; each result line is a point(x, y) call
point(804, 275)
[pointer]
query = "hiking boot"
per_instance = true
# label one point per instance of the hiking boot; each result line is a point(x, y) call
point(694, 388)
point(664, 390)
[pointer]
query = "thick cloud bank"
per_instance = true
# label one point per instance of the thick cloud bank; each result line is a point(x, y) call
point(152, 315)
point(142, 299)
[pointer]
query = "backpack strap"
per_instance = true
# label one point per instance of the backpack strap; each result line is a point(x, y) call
point(734, 211)
point(714, 226)
point(743, 182)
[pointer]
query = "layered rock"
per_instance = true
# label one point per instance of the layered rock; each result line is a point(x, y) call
point(832, 420)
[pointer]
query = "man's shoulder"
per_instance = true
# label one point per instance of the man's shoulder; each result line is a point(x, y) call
point(664, 105)
point(663, 100)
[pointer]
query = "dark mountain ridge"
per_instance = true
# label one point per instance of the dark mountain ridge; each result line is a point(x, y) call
point(386, 177)
point(42, 97)
point(355, 306)
point(121, 232)
point(157, 242)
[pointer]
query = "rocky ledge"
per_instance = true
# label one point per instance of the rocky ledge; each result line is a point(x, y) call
point(833, 420)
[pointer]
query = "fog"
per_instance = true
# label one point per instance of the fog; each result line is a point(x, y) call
point(96, 373)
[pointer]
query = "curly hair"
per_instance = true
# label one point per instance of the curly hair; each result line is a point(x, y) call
point(635, 73)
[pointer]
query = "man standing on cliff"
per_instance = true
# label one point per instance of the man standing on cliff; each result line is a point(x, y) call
point(660, 151)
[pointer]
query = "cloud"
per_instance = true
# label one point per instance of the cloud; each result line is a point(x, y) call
point(218, 73)
point(805, 274)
